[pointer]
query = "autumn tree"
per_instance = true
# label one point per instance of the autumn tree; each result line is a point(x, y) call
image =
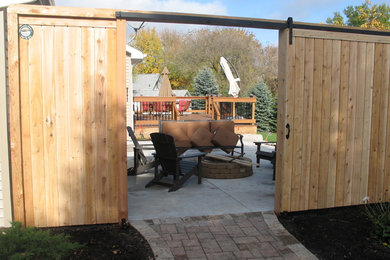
point(204, 48)
point(269, 67)
point(149, 43)
point(365, 15)
point(184, 54)
point(173, 44)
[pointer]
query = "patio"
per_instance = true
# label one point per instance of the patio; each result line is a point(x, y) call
point(212, 197)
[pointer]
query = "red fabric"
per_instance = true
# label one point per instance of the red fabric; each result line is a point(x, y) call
point(184, 105)
point(145, 106)
point(167, 106)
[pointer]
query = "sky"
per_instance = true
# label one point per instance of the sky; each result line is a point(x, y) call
point(312, 11)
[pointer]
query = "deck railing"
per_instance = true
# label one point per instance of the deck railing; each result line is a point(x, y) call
point(149, 110)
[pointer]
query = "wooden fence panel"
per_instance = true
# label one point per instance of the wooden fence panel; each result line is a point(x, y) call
point(336, 98)
point(73, 133)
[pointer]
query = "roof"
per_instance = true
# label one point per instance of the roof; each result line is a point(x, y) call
point(146, 84)
point(181, 92)
point(136, 55)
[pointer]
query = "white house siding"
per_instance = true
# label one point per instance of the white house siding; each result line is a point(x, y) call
point(129, 86)
point(5, 197)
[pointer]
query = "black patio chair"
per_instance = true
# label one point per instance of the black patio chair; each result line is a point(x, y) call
point(172, 164)
point(270, 156)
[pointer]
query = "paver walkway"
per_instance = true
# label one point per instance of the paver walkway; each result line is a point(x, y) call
point(257, 235)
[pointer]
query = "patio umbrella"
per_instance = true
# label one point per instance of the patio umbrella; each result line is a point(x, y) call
point(166, 89)
point(234, 89)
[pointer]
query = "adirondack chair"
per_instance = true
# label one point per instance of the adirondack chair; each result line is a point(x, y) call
point(141, 163)
point(172, 164)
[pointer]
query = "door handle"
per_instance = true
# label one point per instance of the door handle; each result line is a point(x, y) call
point(288, 131)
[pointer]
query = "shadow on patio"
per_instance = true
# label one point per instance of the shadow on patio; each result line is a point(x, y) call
point(212, 197)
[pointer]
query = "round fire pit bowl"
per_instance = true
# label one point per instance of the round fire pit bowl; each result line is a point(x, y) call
point(214, 169)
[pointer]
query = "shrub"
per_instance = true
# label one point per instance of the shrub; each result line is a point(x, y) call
point(31, 243)
point(379, 215)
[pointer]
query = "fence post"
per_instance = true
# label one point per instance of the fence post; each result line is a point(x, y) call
point(234, 110)
point(207, 104)
point(253, 111)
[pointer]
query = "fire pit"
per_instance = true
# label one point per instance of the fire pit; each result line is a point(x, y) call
point(216, 169)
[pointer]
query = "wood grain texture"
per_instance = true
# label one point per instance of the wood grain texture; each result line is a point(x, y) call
point(26, 134)
point(316, 122)
point(297, 130)
point(369, 77)
point(121, 147)
point(383, 116)
point(72, 130)
point(307, 123)
point(36, 128)
point(289, 119)
point(62, 69)
point(339, 101)
point(342, 130)
point(386, 177)
point(282, 69)
point(18, 203)
point(334, 122)
point(375, 118)
point(325, 124)
point(49, 126)
point(359, 123)
point(351, 112)
point(89, 126)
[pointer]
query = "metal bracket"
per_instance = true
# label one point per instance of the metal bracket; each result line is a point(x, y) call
point(290, 27)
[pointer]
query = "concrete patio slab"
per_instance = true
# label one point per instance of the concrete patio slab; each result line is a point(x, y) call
point(213, 197)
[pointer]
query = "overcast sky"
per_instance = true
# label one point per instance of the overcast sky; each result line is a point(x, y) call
point(315, 11)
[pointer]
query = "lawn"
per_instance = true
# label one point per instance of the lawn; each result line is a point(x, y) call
point(271, 137)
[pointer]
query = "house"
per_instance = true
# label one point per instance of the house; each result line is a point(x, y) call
point(148, 85)
point(133, 57)
point(181, 92)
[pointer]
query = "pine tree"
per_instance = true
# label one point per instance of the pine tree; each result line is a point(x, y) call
point(204, 84)
point(263, 110)
point(274, 115)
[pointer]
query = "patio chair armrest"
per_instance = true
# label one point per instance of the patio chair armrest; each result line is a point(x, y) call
point(147, 147)
point(198, 154)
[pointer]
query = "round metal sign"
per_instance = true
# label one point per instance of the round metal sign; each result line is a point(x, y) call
point(26, 31)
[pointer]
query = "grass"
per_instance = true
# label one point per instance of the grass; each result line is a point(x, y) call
point(271, 137)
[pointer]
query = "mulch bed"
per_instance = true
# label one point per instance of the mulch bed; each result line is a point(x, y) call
point(107, 242)
point(338, 233)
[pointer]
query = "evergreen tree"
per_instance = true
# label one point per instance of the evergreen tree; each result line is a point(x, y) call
point(263, 110)
point(273, 123)
point(204, 84)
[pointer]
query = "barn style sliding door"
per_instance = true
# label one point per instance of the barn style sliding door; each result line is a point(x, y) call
point(334, 120)
point(67, 108)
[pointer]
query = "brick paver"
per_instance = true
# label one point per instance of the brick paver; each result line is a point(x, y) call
point(232, 236)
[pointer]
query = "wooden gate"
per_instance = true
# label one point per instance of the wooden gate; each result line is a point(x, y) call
point(67, 116)
point(333, 120)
